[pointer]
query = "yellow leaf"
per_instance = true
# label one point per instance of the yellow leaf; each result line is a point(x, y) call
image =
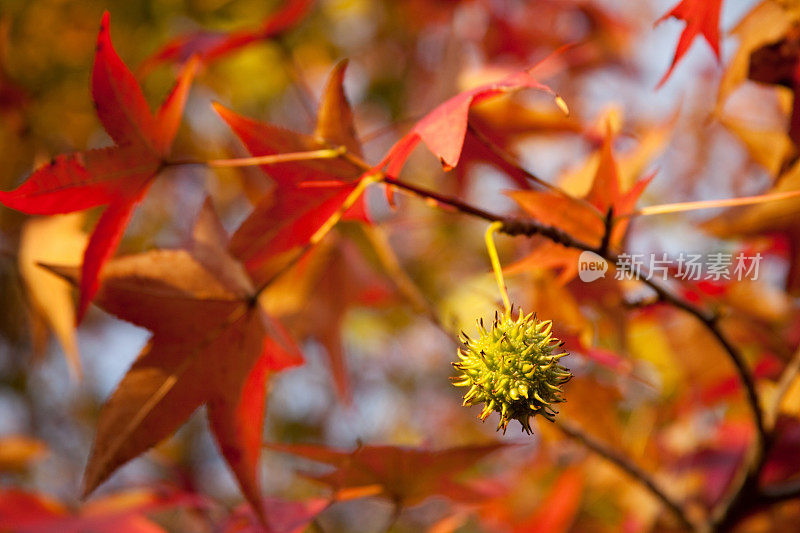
point(769, 148)
point(647, 341)
point(766, 23)
point(18, 452)
point(630, 164)
point(56, 240)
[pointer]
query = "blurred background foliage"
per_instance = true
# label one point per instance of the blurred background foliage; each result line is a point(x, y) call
point(666, 399)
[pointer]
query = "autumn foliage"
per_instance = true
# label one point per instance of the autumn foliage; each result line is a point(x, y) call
point(295, 242)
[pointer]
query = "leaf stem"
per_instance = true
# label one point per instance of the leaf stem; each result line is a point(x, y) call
point(351, 198)
point(498, 270)
point(711, 204)
point(325, 153)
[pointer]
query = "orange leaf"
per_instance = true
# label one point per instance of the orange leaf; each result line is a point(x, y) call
point(211, 345)
point(405, 475)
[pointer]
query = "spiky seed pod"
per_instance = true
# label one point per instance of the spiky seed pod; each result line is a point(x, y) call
point(513, 368)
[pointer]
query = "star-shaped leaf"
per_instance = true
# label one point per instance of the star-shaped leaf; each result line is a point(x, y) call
point(702, 18)
point(212, 344)
point(289, 216)
point(444, 128)
point(117, 177)
point(581, 218)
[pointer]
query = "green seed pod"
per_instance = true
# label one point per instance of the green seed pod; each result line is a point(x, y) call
point(512, 368)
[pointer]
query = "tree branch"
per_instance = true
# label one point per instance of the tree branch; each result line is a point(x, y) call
point(779, 493)
point(747, 487)
point(746, 483)
point(630, 468)
point(511, 161)
point(529, 227)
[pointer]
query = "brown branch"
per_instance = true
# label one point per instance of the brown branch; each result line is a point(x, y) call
point(529, 227)
point(511, 160)
point(629, 467)
point(746, 487)
point(608, 225)
point(443, 199)
point(779, 493)
point(741, 491)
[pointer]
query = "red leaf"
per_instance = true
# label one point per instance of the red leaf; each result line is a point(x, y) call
point(702, 17)
point(119, 101)
point(283, 223)
point(102, 243)
point(334, 127)
point(24, 512)
point(282, 516)
point(557, 511)
point(262, 139)
point(293, 213)
point(443, 129)
point(81, 180)
point(406, 475)
point(209, 46)
point(118, 176)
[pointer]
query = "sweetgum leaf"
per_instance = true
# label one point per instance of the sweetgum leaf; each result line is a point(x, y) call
point(702, 18)
point(212, 344)
point(118, 176)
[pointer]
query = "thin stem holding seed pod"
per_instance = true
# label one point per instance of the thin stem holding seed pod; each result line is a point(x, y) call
point(498, 270)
